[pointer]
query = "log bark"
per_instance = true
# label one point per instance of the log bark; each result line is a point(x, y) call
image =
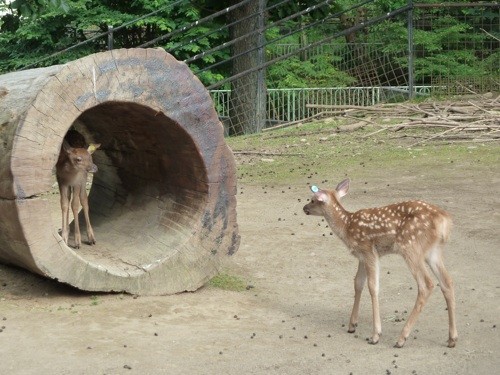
point(162, 204)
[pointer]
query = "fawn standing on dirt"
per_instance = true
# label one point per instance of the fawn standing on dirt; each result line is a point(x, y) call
point(75, 162)
point(416, 230)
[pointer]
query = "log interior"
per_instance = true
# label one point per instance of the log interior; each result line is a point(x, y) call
point(150, 189)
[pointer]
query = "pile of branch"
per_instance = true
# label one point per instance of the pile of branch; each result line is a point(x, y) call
point(471, 120)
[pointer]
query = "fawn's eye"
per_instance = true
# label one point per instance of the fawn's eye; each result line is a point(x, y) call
point(79, 159)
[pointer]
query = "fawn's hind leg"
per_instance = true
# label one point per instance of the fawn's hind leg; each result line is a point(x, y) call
point(435, 262)
point(425, 286)
point(373, 273)
point(65, 197)
point(84, 200)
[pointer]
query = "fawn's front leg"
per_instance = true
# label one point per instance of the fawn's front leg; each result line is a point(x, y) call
point(85, 206)
point(359, 283)
point(75, 206)
point(372, 272)
point(65, 196)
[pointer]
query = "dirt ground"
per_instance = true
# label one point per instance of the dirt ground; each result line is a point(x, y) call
point(293, 317)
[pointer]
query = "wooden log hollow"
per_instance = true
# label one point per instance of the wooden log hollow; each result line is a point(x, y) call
point(163, 202)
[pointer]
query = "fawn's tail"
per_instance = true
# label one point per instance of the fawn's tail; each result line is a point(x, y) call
point(443, 226)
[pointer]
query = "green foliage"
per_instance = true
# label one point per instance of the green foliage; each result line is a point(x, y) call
point(310, 68)
point(491, 63)
point(32, 8)
point(95, 300)
point(446, 43)
point(32, 30)
point(317, 71)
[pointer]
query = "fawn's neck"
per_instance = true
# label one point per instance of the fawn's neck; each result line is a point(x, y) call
point(338, 218)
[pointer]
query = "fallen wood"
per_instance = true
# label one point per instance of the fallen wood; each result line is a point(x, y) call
point(467, 115)
point(433, 137)
point(350, 127)
point(307, 119)
point(376, 132)
point(343, 107)
point(265, 153)
point(301, 134)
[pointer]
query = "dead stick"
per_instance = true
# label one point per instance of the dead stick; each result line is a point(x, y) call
point(375, 132)
point(359, 107)
point(287, 124)
point(434, 136)
point(368, 120)
point(490, 35)
point(263, 153)
point(478, 107)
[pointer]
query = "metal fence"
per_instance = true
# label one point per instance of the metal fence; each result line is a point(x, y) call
point(292, 105)
point(475, 46)
point(284, 105)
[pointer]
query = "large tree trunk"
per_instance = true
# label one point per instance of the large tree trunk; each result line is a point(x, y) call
point(162, 204)
point(248, 92)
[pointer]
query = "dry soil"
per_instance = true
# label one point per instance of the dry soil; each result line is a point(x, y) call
point(293, 317)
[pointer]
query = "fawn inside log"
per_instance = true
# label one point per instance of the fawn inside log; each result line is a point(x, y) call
point(150, 188)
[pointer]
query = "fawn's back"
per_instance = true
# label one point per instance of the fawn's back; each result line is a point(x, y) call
point(396, 227)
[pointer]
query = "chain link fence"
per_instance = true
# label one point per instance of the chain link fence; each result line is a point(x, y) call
point(467, 58)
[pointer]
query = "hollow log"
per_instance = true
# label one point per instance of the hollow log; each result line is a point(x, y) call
point(163, 202)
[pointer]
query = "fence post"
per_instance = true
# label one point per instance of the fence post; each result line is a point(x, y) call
point(411, 83)
point(110, 37)
point(261, 73)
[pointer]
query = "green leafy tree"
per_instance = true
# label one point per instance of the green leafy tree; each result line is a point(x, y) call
point(447, 43)
point(32, 30)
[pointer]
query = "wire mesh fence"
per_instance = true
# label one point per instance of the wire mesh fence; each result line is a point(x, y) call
point(372, 56)
point(271, 62)
point(468, 58)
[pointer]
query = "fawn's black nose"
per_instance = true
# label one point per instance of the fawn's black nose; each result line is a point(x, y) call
point(306, 210)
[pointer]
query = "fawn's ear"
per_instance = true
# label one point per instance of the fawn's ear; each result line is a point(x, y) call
point(343, 187)
point(92, 147)
point(322, 196)
point(66, 147)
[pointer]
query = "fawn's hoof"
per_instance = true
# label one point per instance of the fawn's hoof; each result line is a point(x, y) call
point(352, 328)
point(400, 344)
point(452, 342)
point(374, 340)
point(64, 238)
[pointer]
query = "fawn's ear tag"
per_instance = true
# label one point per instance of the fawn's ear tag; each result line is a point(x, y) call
point(314, 189)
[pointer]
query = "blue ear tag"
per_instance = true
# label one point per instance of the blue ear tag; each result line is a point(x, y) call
point(314, 189)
